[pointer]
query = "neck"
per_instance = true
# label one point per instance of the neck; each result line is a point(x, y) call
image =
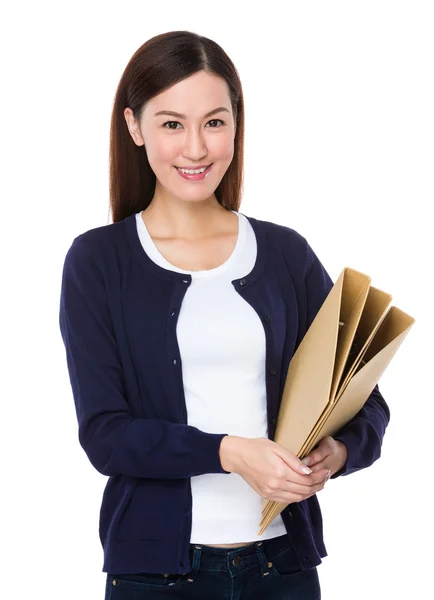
point(183, 219)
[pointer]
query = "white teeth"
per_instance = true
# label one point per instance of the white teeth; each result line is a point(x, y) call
point(191, 171)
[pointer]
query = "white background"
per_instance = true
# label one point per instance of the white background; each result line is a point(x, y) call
point(339, 145)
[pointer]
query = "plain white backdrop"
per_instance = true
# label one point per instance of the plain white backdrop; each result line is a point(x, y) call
point(339, 101)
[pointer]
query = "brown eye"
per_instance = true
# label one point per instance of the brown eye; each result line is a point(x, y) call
point(164, 124)
point(212, 121)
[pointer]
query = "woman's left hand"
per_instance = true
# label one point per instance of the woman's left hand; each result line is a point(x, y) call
point(328, 454)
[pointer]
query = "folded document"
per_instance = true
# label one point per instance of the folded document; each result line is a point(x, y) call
point(348, 346)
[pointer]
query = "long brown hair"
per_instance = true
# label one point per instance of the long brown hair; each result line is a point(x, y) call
point(158, 64)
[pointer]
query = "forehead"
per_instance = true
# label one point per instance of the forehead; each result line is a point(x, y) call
point(193, 96)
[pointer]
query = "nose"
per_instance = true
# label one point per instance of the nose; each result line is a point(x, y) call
point(194, 147)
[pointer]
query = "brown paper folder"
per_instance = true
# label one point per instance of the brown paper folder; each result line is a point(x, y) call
point(389, 337)
point(341, 358)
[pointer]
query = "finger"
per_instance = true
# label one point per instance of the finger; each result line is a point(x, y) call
point(291, 496)
point(322, 464)
point(309, 485)
point(292, 461)
point(313, 457)
point(316, 456)
point(302, 491)
point(324, 448)
point(304, 480)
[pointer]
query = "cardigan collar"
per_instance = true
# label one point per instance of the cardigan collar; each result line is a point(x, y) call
point(159, 271)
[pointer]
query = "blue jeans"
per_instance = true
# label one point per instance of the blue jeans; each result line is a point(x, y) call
point(266, 570)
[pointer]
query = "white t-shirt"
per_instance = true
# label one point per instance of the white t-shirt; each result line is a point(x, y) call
point(222, 346)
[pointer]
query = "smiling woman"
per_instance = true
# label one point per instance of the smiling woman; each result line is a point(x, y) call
point(179, 320)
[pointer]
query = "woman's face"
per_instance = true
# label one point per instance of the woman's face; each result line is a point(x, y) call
point(189, 139)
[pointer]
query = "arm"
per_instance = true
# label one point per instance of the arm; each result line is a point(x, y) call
point(114, 440)
point(363, 434)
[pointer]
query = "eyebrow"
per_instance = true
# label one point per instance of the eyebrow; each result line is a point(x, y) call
point(180, 116)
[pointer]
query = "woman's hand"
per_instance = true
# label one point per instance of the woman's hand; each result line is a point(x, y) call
point(328, 454)
point(271, 470)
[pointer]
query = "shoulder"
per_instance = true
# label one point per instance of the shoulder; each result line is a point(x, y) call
point(103, 235)
point(99, 258)
point(285, 240)
point(100, 244)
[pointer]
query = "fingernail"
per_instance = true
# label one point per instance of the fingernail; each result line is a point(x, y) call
point(307, 460)
point(306, 470)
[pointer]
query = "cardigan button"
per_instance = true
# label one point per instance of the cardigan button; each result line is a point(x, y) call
point(267, 319)
point(243, 282)
point(273, 371)
point(273, 421)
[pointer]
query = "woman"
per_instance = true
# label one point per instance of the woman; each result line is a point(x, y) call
point(179, 320)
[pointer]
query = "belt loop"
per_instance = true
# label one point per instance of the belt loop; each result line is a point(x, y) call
point(197, 553)
point(262, 559)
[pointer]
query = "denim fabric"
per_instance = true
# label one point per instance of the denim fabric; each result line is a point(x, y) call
point(267, 570)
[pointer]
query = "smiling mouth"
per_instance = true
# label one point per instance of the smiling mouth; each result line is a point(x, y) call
point(194, 168)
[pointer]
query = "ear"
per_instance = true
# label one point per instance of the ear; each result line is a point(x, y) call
point(133, 127)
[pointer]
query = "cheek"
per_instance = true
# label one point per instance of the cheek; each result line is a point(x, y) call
point(164, 151)
point(222, 147)
point(160, 149)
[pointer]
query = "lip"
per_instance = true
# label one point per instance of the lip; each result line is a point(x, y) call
point(193, 168)
point(195, 177)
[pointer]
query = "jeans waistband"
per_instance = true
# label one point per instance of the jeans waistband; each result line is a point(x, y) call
point(211, 558)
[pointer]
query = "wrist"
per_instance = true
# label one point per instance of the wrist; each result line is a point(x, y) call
point(343, 454)
point(227, 452)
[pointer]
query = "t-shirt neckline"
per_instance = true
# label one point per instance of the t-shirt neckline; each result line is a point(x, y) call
point(157, 257)
point(152, 267)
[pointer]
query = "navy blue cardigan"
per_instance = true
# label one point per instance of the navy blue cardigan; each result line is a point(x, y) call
point(118, 314)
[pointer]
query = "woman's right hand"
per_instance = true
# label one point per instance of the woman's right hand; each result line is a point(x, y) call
point(271, 470)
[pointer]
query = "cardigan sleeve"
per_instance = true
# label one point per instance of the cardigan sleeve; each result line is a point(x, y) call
point(114, 440)
point(363, 434)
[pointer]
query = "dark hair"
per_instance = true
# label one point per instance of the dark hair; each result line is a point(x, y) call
point(158, 64)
